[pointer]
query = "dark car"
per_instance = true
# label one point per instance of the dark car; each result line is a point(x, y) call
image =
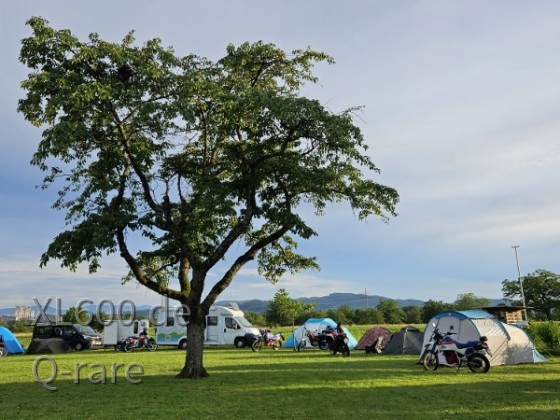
point(75, 336)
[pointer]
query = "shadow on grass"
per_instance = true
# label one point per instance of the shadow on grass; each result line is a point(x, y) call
point(283, 384)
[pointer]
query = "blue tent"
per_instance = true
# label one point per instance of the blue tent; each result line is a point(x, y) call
point(10, 341)
point(316, 325)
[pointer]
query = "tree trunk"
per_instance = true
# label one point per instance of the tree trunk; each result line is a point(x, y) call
point(194, 368)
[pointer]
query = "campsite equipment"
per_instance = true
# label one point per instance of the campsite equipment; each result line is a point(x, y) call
point(138, 343)
point(268, 339)
point(224, 325)
point(509, 343)
point(340, 344)
point(10, 343)
point(375, 340)
point(323, 340)
point(315, 326)
point(408, 340)
point(117, 330)
point(455, 353)
point(75, 336)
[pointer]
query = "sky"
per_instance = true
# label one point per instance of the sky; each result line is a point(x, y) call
point(460, 112)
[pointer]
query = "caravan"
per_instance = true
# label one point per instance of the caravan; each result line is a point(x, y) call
point(224, 326)
point(116, 331)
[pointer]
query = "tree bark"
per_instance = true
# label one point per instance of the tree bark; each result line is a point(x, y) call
point(194, 366)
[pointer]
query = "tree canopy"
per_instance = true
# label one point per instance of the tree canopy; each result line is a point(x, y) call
point(466, 301)
point(178, 163)
point(283, 310)
point(541, 289)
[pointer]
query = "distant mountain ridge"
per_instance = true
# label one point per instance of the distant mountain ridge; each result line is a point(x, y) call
point(332, 301)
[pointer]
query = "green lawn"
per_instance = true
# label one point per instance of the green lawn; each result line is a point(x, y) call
point(269, 384)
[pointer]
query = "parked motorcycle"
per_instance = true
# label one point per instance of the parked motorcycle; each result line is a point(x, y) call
point(340, 344)
point(322, 340)
point(268, 339)
point(132, 343)
point(455, 354)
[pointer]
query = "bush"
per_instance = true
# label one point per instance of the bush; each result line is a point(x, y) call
point(546, 335)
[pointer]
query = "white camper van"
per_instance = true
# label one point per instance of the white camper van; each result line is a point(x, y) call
point(224, 325)
point(117, 330)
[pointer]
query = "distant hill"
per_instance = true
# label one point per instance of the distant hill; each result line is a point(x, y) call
point(332, 301)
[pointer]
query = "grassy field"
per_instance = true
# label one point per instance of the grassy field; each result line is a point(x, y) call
point(282, 384)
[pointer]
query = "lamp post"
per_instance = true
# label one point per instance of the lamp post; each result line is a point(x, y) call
point(520, 282)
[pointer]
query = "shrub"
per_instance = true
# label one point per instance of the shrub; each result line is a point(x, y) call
point(546, 335)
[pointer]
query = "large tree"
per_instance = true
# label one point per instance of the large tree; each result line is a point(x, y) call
point(541, 290)
point(180, 163)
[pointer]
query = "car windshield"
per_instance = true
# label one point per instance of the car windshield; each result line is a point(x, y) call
point(84, 329)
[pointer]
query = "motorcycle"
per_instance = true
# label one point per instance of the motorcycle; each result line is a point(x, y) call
point(132, 343)
point(455, 353)
point(340, 344)
point(268, 339)
point(3, 351)
point(322, 340)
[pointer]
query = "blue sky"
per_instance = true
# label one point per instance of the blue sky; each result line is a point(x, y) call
point(460, 112)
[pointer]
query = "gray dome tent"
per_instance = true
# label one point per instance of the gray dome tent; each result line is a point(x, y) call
point(406, 341)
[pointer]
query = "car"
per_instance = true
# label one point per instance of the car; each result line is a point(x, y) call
point(75, 336)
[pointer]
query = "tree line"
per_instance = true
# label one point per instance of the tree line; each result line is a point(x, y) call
point(283, 310)
point(541, 290)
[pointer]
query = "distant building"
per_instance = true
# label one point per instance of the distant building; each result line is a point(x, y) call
point(23, 313)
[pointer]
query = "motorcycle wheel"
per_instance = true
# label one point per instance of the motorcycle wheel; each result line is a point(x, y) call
point(301, 345)
point(3, 352)
point(430, 361)
point(324, 345)
point(345, 351)
point(478, 363)
point(151, 345)
point(128, 348)
point(276, 345)
point(257, 345)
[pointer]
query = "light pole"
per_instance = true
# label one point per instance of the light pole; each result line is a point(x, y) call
point(520, 282)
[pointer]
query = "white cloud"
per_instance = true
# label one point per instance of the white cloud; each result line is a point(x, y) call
point(460, 115)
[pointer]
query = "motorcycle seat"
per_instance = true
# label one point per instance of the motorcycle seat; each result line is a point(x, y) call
point(466, 345)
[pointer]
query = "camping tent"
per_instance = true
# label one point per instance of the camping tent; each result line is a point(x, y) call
point(406, 341)
point(316, 325)
point(509, 344)
point(375, 335)
point(10, 341)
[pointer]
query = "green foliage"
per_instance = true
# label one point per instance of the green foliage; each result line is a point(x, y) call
point(413, 314)
point(392, 314)
point(467, 301)
point(255, 318)
point(546, 336)
point(20, 326)
point(176, 163)
point(190, 154)
point(343, 314)
point(283, 310)
point(433, 307)
point(368, 316)
point(541, 289)
point(71, 315)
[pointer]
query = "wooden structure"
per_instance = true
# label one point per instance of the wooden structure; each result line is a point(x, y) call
point(509, 314)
